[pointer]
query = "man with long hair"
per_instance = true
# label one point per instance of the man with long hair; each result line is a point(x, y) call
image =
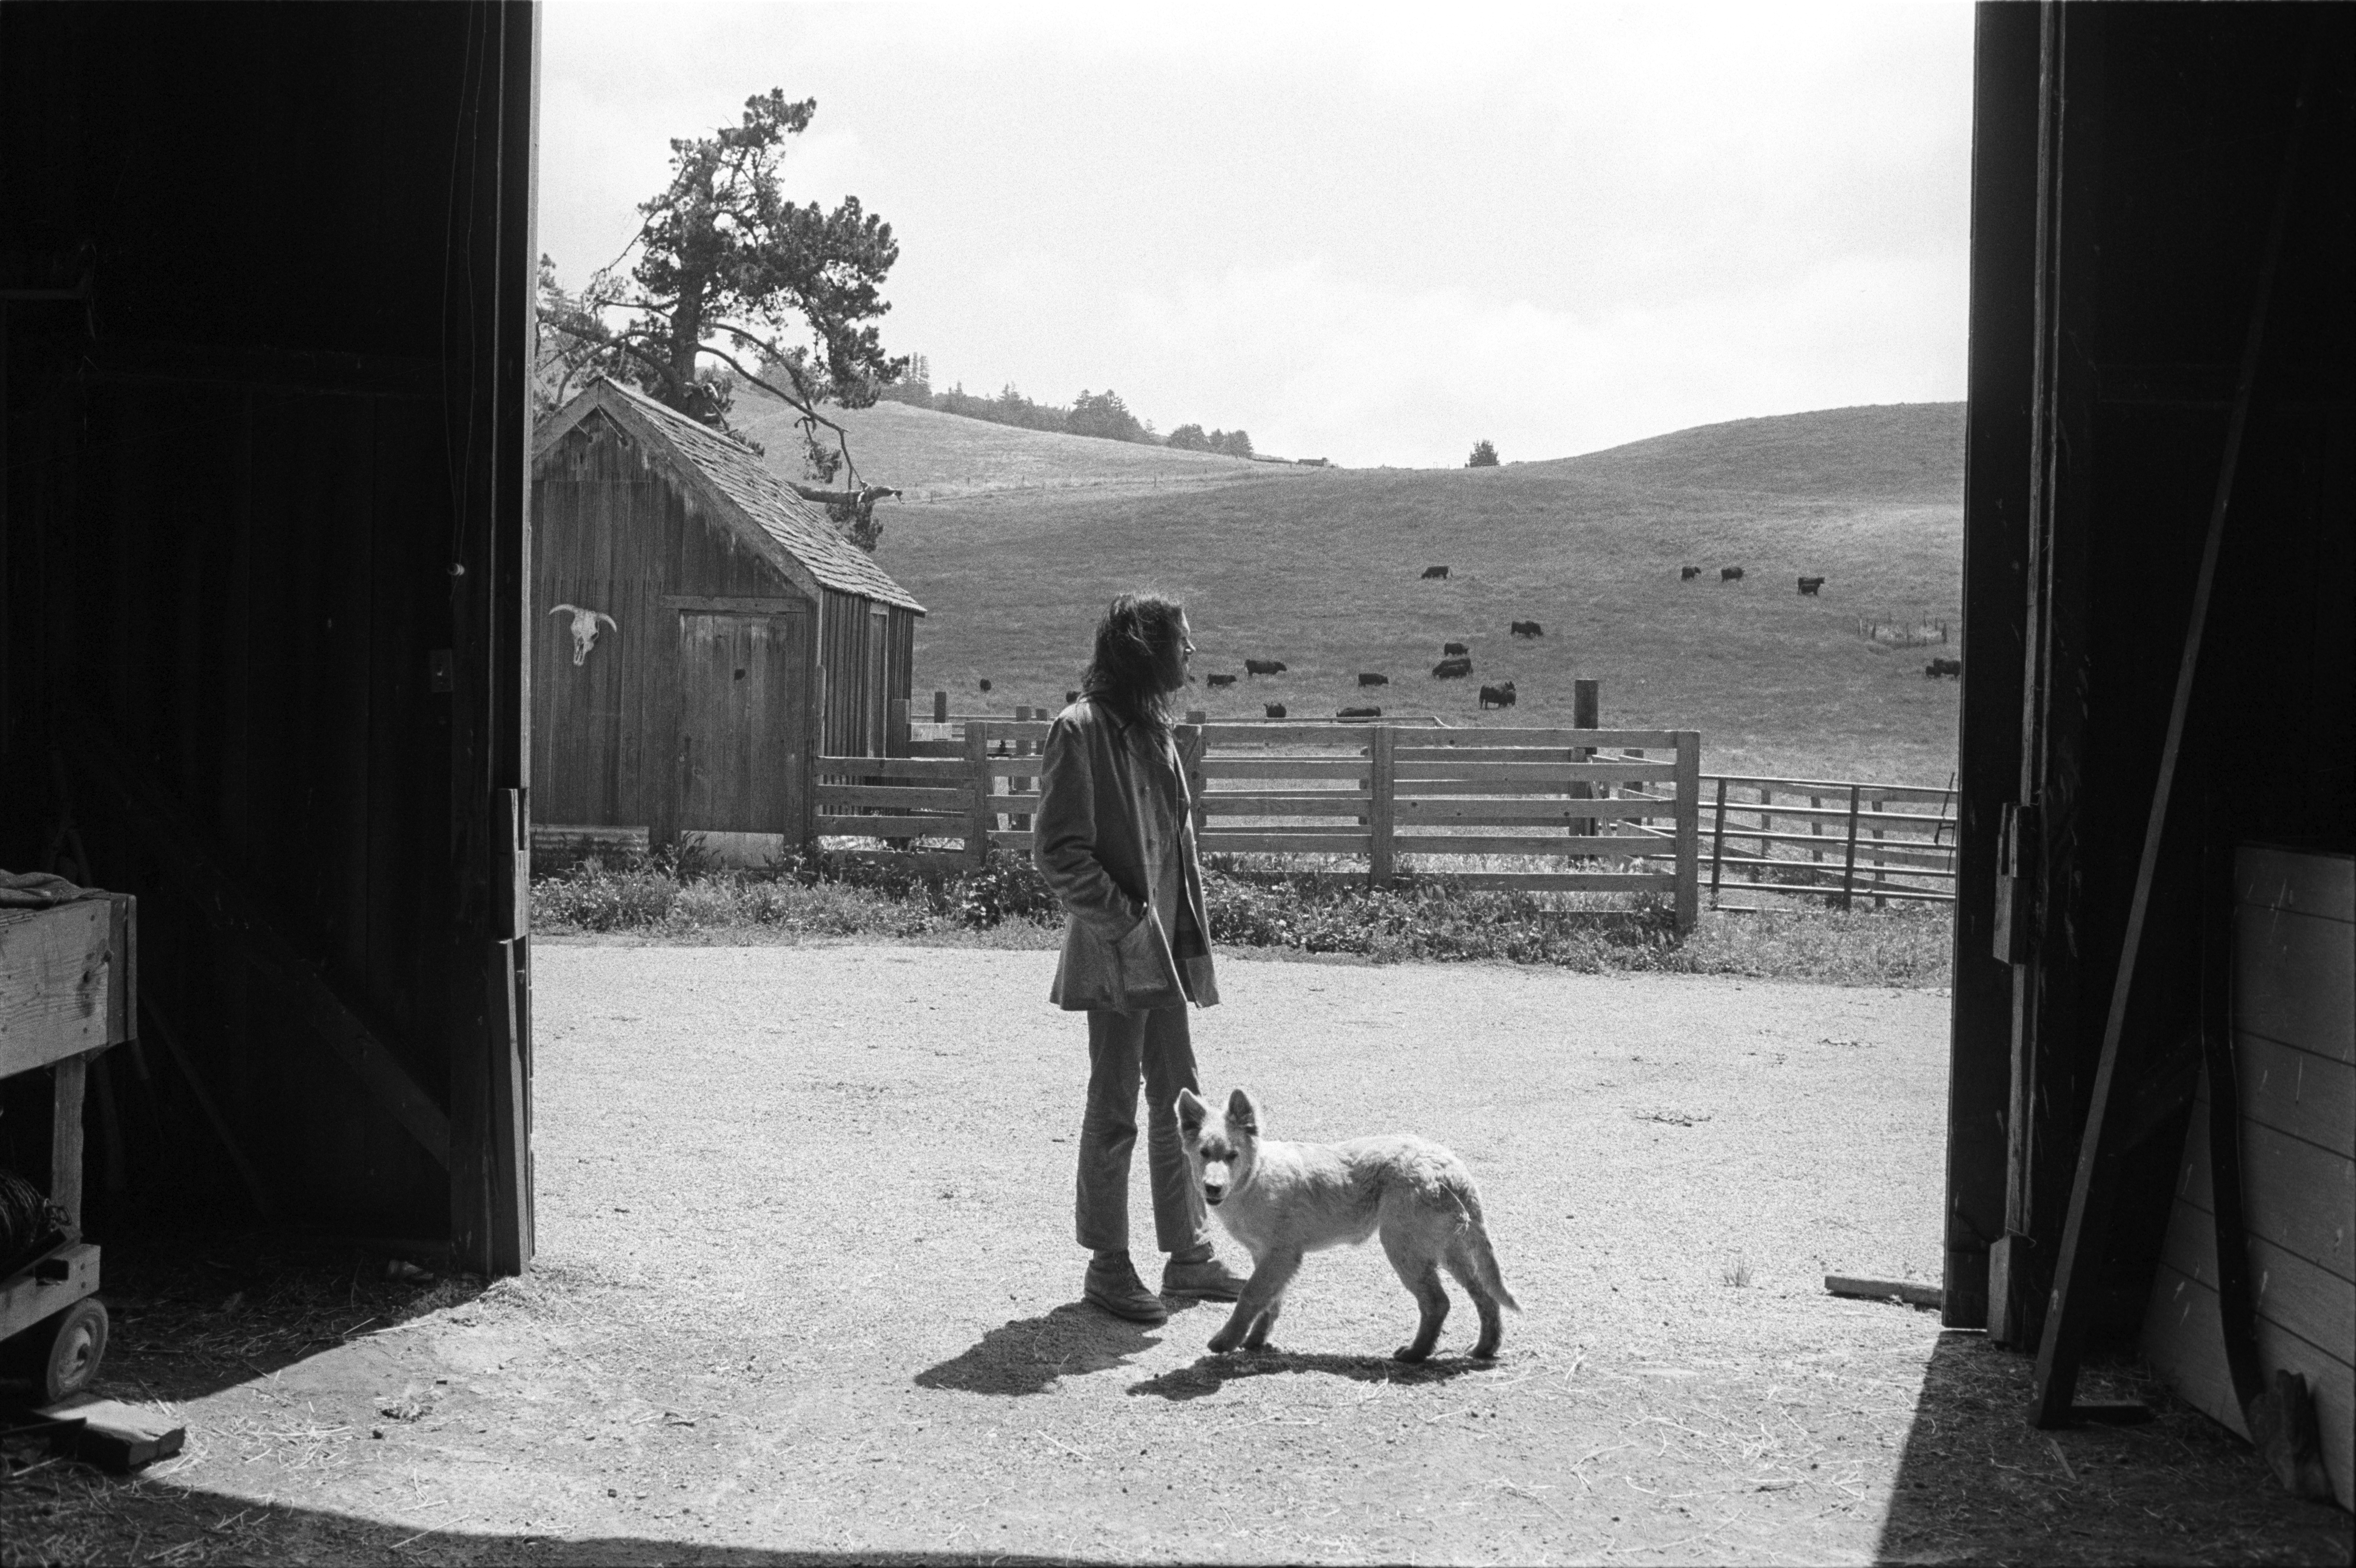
point(1116, 841)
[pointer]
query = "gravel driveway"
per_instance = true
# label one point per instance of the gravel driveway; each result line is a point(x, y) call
point(806, 1285)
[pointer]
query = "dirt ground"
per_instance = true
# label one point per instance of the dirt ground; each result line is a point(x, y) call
point(806, 1291)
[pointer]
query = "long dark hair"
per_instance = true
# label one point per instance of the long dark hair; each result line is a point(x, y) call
point(1125, 672)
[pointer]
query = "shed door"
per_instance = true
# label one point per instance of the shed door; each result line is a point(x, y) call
point(743, 715)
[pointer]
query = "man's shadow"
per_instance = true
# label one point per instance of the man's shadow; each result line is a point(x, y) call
point(1212, 1373)
point(1028, 1354)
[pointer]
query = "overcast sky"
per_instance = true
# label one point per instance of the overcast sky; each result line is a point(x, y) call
point(1371, 234)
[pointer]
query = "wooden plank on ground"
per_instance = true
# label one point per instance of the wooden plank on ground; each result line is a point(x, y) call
point(114, 1435)
point(2294, 981)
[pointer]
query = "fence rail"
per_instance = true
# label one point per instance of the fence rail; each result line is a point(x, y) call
point(1539, 810)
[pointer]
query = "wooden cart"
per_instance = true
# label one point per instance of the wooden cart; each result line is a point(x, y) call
point(67, 979)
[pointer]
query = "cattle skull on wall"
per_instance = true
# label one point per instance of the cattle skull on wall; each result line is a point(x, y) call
point(584, 628)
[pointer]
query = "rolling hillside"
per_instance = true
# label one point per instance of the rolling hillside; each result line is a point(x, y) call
point(934, 456)
point(1321, 569)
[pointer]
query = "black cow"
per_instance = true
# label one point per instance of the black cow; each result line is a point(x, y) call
point(1275, 710)
point(1730, 573)
point(1263, 666)
point(1221, 679)
point(1452, 669)
point(1687, 574)
point(1367, 680)
point(1808, 585)
point(1500, 695)
point(1358, 713)
point(985, 682)
point(1453, 647)
point(1938, 667)
point(1528, 628)
point(1439, 572)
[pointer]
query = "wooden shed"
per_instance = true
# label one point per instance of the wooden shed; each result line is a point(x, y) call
point(704, 633)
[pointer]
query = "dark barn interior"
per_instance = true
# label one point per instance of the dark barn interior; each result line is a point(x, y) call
point(2159, 670)
point(264, 292)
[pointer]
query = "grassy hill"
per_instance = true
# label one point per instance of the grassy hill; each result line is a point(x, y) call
point(1320, 568)
point(935, 455)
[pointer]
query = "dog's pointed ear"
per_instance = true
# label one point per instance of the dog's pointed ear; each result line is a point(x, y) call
point(1192, 1111)
point(1242, 1112)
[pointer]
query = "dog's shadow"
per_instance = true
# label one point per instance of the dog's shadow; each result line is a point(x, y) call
point(1027, 1355)
point(1211, 1373)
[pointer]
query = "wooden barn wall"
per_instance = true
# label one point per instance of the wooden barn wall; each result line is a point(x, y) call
point(615, 532)
point(2161, 139)
point(260, 525)
point(853, 665)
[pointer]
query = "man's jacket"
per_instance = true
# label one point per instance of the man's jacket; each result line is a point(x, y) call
point(1113, 805)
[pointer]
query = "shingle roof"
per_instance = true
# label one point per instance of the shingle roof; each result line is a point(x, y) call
point(799, 525)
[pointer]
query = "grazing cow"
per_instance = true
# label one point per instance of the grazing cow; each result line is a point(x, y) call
point(1808, 585)
point(1275, 710)
point(1451, 669)
point(1221, 679)
point(1938, 667)
point(1528, 628)
point(1263, 666)
point(1358, 713)
point(1368, 680)
point(985, 682)
point(1439, 572)
point(1500, 695)
point(1730, 573)
point(1453, 647)
point(1687, 574)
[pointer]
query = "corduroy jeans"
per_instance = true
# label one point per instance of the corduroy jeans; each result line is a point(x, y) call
point(1125, 1050)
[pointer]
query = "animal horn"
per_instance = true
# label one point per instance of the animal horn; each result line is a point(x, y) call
point(563, 609)
point(609, 620)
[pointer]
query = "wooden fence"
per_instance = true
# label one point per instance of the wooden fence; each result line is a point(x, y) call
point(1565, 809)
point(1841, 838)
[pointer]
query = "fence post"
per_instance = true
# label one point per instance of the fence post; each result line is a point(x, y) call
point(977, 760)
point(1848, 865)
point(1815, 828)
point(896, 728)
point(1020, 784)
point(1382, 787)
point(1190, 757)
point(1717, 844)
point(1878, 901)
point(1766, 823)
point(1689, 782)
point(1586, 713)
point(940, 707)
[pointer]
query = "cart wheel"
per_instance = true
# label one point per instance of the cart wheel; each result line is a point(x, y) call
point(62, 1352)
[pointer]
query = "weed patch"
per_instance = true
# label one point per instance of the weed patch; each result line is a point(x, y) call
point(680, 896)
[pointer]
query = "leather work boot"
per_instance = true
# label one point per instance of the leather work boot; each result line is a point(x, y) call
point(1210, 1279)
point(1116, 1288)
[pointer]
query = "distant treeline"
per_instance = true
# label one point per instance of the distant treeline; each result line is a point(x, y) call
point(1100, 415)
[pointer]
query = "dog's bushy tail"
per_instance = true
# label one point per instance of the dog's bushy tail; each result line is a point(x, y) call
point(1475, 1244)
